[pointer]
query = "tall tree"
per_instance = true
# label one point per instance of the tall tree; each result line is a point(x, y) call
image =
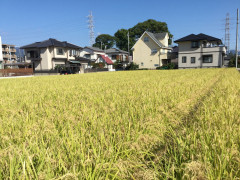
point(104, 40)
point(136, 31)
point(122, 39)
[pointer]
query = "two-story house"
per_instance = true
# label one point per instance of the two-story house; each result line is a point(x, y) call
point(92, 53)
point(117, 54)
point(46, 55)
point(151, 50)
point(200, 51)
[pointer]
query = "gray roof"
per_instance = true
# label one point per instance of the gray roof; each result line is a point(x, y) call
point(51, 42)
point(157, 36)
point(115, 50)
point(94, 48)
point(201, 36)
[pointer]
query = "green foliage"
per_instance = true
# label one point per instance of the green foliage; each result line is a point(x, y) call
point(232, 62)
point(118, 65)
point(150, 25)
point(136, 31)
point(132, 66)
point(168, 66)
point(100, 65)
point(104, 40)
point(122, 39)
point(60, 68)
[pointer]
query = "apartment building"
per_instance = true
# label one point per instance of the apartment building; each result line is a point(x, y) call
point(9, 53)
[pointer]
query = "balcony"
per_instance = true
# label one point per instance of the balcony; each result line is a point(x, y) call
point(7, 50)
point(13, 56)
point(214, 48)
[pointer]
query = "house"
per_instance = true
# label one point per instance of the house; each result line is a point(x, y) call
point(151, 49)
point(116, 54)
point(200, 51)
point(92, 53)
point(48, 54)
point(106, 60)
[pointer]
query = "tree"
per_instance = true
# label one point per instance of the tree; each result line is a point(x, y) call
point(122, 39)
point(104, 40)
point(136, 31)
point(232, 62)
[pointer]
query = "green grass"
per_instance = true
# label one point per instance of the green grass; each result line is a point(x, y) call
point(179, 124)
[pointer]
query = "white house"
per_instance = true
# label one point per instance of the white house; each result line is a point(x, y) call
point(200, 51)
point(46, 55)
point(92, 53)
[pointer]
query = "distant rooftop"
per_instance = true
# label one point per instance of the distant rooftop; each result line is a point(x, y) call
point(115, 50)
point(51, 42)
point(94, 48)
point(198, 37)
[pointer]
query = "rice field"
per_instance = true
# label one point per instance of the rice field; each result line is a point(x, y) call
point(177, 124)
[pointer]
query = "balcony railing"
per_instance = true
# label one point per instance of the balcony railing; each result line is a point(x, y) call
point(7, 50)
point(13, 56)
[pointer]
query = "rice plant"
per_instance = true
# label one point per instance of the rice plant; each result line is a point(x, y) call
point(177, 124)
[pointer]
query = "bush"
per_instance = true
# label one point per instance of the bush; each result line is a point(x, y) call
point(168, 66)
point(98, 65)
point(118, 65)
point(132, 66)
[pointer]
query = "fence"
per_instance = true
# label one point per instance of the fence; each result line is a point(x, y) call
point(16, 72)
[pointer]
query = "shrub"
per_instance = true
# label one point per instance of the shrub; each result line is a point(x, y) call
point(132, 66)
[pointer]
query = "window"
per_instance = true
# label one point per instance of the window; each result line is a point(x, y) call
point(184, 59)
point(74, 52)
point(207, 58)
point(154, 51)
point(195, 44)
point(142, 63)
point(87, 56)
point(146, 39)
point(70, 52)
point(156, 65)
point(193, 59)
point(32, 54)
point(59, 51)
point(114, 57)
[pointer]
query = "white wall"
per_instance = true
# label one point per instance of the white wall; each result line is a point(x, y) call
point(186, 50)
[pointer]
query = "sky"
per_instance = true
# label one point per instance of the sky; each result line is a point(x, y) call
point(28, 21)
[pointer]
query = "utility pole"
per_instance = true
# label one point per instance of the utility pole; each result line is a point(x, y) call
point(91, 28)
point(128, 45)
point(237, 41)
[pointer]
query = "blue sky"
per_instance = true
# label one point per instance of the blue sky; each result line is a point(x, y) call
point(27, 21)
